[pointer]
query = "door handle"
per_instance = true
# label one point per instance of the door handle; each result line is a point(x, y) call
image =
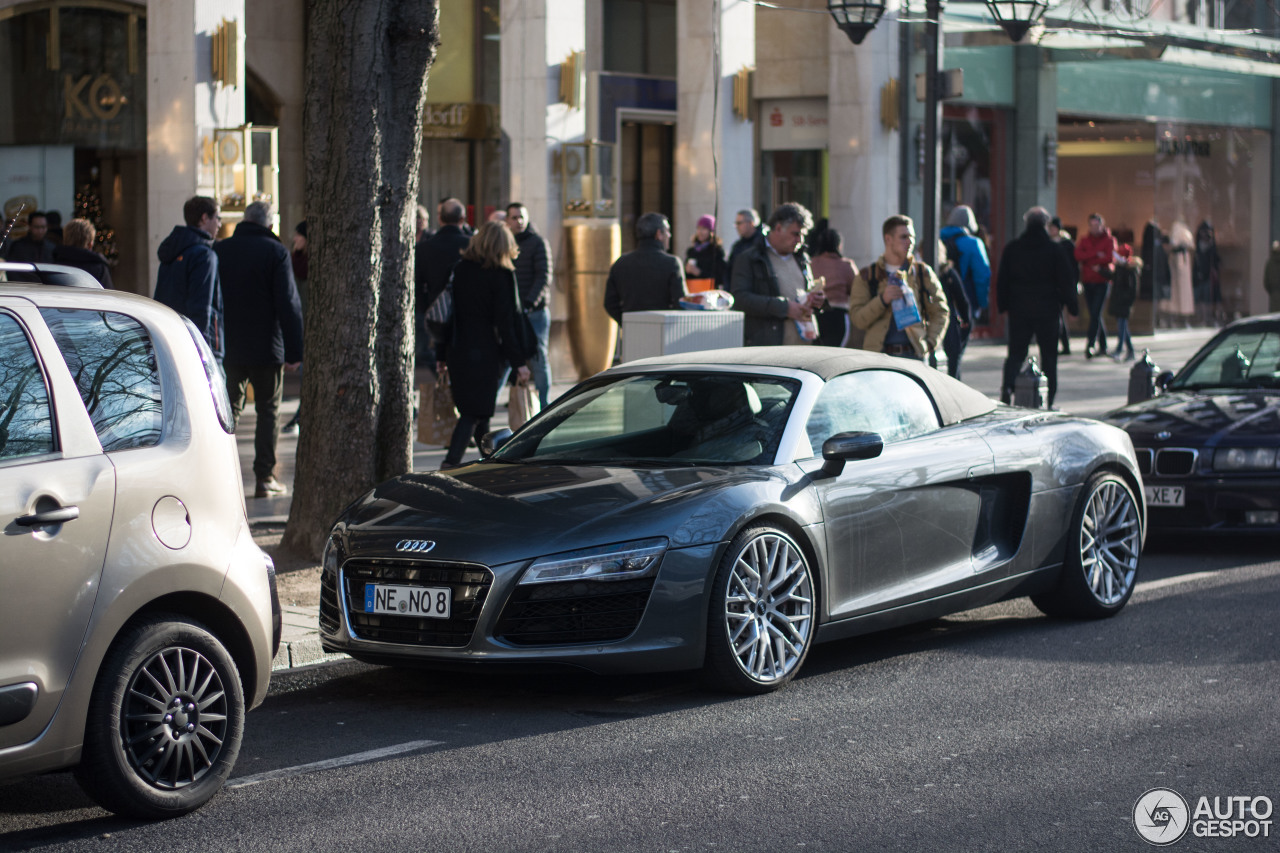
point(49, 517)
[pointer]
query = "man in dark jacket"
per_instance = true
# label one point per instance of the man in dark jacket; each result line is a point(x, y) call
point(34, 248)
point(1068, 246)
point(434, 259)
point(767, 276)
point(1033, 284)
point(747, 223)
point(533, 275)
point(648, 278)
point(264, 331)
point(188, 278)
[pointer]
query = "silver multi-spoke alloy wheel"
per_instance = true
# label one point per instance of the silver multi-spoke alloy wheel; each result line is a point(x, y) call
point(1110, 542)
point(768, 608)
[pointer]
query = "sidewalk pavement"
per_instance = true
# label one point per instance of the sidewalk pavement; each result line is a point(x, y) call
point(1085, 387)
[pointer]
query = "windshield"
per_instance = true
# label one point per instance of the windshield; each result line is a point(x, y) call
point(684, 418)
point(1249, 358)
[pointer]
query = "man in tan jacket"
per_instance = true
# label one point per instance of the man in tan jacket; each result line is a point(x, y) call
point(879, 285)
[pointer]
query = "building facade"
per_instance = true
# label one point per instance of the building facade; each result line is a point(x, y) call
point(592, 112)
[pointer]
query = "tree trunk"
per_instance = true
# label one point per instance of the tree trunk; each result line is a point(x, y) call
point(366, 82)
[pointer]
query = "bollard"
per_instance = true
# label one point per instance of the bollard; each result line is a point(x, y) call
point(1031, 386)
point(1142, 378)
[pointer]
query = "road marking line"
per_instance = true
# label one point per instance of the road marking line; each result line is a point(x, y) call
point(1174, 581)
point(329, 764)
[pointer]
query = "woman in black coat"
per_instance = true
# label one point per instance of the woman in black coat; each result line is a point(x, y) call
point(77, 251)
point(483, 333)
point(705, 256)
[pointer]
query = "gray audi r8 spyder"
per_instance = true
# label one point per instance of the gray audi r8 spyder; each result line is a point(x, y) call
point(728, 509)
point(1209, 444)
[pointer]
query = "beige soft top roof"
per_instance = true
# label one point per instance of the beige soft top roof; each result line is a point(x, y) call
point(955, 400)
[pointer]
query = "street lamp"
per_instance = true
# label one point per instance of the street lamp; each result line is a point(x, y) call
point(856, 17)
point(859, 17)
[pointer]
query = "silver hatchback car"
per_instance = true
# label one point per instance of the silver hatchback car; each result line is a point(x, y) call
point(138, 619)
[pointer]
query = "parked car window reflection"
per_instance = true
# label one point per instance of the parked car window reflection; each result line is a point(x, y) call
point(883, 401)
point(26, 428)
point(110, 356)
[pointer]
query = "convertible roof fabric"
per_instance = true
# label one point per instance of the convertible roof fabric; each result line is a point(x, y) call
point(955, 400)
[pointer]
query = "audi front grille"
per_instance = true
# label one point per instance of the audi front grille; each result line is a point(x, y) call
point(468, 584)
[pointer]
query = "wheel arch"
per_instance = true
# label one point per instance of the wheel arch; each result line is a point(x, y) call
point(797, 531)
point(214, 615)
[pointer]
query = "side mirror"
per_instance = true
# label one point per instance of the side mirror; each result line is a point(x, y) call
point(1163, 379)
point(492, 441)
point(845, 446)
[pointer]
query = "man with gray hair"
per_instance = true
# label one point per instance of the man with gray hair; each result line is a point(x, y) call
point(649, 278)
point(770, 280)
point(1033, 283)
point(264, 330)
point(747, 223)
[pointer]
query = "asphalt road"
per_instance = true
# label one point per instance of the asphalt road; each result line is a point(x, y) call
point(996, 729)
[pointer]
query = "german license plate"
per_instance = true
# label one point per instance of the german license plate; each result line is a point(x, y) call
point(426, 602)
point(1165, 495)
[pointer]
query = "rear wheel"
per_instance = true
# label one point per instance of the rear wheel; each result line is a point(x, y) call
point(762, 616)
point(1103, 548)
point(165, 721)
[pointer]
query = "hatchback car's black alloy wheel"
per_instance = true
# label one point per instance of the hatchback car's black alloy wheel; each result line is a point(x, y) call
point(175, 718)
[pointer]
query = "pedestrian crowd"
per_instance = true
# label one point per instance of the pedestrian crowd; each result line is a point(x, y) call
point(482, 296)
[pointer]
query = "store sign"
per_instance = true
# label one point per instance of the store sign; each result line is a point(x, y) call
point(793, 124)
point(460, 121)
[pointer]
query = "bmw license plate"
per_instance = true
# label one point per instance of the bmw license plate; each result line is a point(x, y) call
point(429, 602)
point(1165, 495)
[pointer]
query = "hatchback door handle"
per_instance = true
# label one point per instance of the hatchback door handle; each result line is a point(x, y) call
point(49, 517)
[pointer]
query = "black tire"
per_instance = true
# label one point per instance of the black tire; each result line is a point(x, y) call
point(1104, 544)
point(757, 643)
point(166, 720)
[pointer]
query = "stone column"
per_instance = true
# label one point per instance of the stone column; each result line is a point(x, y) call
point(713, 146)
point(184, 105)
point(1035, 93)
point(863, 153)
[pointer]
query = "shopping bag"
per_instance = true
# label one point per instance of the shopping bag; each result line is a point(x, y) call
point(437, 417)
point(523, 404)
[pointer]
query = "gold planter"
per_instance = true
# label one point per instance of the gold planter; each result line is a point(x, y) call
point(593, 336)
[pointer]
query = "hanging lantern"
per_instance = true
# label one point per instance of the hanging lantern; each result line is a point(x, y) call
point(856, 17)
point(1016, 17)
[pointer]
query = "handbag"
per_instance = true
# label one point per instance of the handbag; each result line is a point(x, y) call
point(437, 416)
point(526, 338)
point(441, 311)
point(522, 404)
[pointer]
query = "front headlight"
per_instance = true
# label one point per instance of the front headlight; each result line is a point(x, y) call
point(623, 561)
point(1244, 459)
point(332, 557)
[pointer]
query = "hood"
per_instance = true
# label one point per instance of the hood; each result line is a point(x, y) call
point(181, 238)
point(1242, 417)
point(496, 513)
point(952, 232)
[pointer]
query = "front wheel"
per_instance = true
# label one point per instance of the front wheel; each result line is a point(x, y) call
point(762, 613)
point(1103, 546)
point(165, 721)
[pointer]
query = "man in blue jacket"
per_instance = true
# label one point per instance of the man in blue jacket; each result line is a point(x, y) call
point(188, 280)
point(264, 331)
point(969, 255)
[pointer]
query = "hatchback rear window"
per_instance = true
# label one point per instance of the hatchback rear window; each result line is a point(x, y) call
point(111, 358)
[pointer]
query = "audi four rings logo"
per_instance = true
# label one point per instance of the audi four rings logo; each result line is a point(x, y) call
point(416, 546)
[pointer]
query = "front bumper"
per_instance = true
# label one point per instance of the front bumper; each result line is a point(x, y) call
point(654, 625)
point(1237, 503)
